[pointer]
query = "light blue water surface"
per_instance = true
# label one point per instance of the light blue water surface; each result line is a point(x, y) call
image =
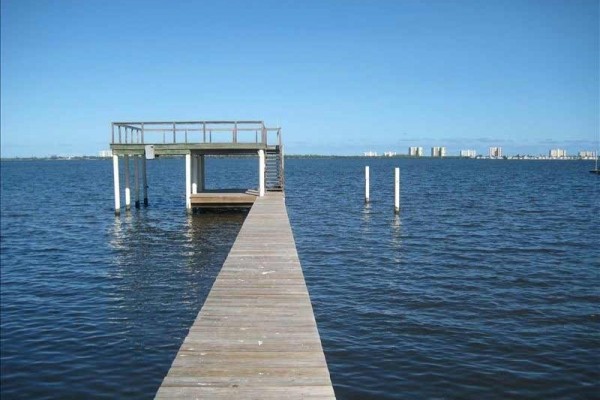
point(485, 285)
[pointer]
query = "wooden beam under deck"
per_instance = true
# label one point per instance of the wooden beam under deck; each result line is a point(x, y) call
point(256, 335)
point(173, 149)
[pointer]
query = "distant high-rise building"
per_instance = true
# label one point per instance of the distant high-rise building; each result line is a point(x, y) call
point(370, 154)
point(415, 151)
point(105, 153)
point(468, 153)
point(557, 153)
point(389, 153)
point(495, 152)
point(438, 152)
point(587, 154)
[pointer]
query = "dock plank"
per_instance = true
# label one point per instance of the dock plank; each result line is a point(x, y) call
point(256, 336)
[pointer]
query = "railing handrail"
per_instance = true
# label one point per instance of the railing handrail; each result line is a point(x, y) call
point(133, 132)
point(187, 122)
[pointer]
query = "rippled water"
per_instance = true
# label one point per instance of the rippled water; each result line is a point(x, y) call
point(485, 286)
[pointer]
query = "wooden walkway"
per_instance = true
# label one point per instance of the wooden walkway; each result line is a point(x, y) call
point(256, 335)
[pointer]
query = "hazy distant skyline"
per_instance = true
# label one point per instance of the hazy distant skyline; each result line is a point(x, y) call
point(340, 77)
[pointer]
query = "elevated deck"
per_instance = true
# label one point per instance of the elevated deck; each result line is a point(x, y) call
point(198, 137)
point(256, 335)
point(141, 141)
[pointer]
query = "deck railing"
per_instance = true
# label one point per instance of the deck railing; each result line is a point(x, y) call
point(191, 132)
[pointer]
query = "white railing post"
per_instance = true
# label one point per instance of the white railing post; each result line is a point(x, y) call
point(116, 183)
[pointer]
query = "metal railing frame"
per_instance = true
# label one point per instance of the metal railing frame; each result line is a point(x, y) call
point(134, 132)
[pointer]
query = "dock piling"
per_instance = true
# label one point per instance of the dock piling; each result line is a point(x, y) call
point(136, 174)
point(116, 183)
point(188, 182)
point(194, 174)
point(367, 184)
point(145, 180)
point(397, 190)
point(127, 187)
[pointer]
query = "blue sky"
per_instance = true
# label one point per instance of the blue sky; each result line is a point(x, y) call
point(340, 77)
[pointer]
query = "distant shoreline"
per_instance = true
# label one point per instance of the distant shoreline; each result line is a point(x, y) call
point(318, 156)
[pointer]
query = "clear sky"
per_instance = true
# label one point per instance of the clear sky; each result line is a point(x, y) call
point(340, 77)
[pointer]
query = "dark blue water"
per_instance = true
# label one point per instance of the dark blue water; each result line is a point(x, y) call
point(485, 286)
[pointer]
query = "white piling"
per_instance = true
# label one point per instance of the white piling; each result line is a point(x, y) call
point(261, 173)
point(116, 183)
point(127, 187)
point(397, 190)
point(195, 175)
point(188, 182)
point(136, 174)
point(367, 184)
point(145, 181)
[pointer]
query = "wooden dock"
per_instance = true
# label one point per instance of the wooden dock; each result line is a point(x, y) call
point(256, 335)
point(224, 198)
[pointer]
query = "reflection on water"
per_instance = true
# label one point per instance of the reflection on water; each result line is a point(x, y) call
point(396, 233)
point(366, 213)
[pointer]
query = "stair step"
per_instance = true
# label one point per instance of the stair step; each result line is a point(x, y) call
point(273, 170)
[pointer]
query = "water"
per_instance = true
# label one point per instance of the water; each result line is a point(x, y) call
point(485, 286)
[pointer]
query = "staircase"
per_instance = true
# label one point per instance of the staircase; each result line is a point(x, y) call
point(274, 179)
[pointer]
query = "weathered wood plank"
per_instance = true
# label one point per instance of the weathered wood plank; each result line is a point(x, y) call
point(276, 392)
point(256, 335)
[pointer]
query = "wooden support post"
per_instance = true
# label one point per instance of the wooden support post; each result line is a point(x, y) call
point(367, 184)
point(397, 190)
point(116, 183)
point(188, 182)
point(136, 174)
point(194, 174)
point(261, 173)
point(145, 180)
point(127, 188)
